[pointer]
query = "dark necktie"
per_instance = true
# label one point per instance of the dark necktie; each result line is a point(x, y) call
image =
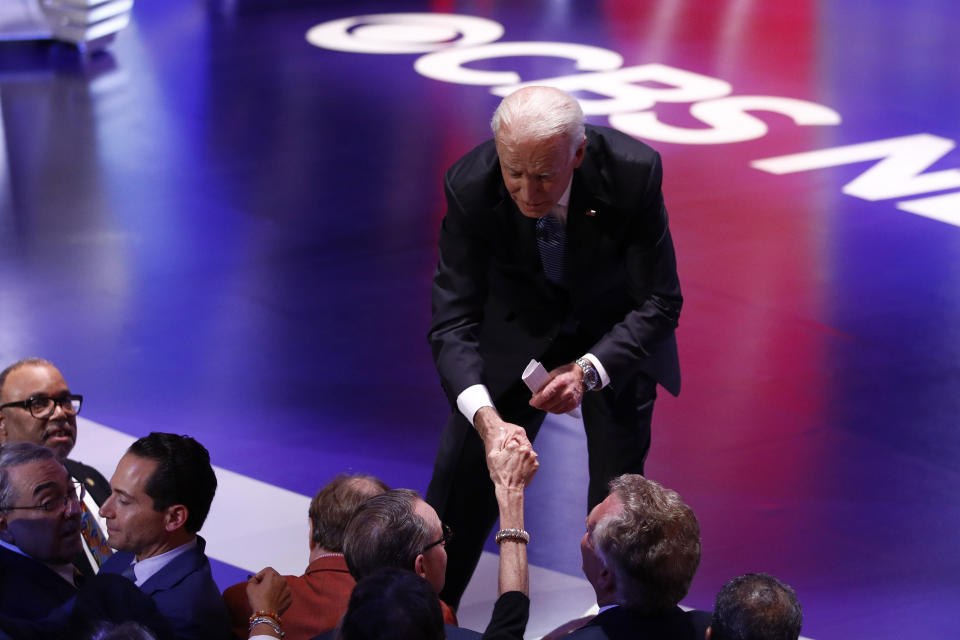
point(552, 240)
point(129, 574)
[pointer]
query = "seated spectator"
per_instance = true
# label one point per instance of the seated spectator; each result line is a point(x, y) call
point(37, 406)
point(392, 602)
point(640, 552)
point(756, 606)
point(39, 531)
point(162, 490)
point(268, 596)
point(319, 596)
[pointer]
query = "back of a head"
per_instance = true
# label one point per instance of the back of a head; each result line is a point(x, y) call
point(393, 604)
point(184, 475)
point(385, 532)
point(336, 503)
point(756, 606)
point(652, 546)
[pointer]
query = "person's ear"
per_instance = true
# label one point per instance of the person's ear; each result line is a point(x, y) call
point(310, 543)
point(176, 517)
point(418, 567)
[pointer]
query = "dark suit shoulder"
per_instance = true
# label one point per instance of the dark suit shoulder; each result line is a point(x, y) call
point(475, 177)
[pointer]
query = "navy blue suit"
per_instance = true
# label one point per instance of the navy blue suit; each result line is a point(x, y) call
point(622, 623)
point(29, 589)
point(185, 593)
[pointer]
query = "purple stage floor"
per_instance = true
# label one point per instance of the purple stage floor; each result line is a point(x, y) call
point(219, 227)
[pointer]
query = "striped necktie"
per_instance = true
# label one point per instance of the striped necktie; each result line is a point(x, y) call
point(552, 241)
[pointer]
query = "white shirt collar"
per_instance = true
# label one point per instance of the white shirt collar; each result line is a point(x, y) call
point(145, 569)
point(559, 210)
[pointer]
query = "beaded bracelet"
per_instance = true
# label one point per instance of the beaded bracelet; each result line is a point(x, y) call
point(266, 614)
point(269, 621)
point(517, 535)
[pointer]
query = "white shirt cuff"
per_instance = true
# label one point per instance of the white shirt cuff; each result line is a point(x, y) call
point(604, 378)
point(472, 399)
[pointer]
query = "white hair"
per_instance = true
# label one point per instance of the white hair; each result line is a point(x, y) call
point(540, 113)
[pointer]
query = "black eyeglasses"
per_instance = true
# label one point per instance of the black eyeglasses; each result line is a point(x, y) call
point(42, 407)
point(444, 539)
point(76, 492)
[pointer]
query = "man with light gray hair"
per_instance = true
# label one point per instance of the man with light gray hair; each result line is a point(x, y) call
point(640, 553)
point(555, 247)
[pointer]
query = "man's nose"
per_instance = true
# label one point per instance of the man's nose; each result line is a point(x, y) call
point(73, 507)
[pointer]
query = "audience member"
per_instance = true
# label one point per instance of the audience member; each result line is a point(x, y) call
point(756, 606)
point(388, 531)
point(268, 596)
point(640, 552)
point(39, 531)
point(320, 595)
point(36, 406)
point(162, 490)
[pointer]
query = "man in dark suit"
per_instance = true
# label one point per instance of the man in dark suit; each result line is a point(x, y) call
point(162, 490)
point(640, 553)
point(556, 247)
point(39, 531)
point(37, 406)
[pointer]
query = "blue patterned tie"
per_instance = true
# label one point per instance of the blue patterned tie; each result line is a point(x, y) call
point(552, 240)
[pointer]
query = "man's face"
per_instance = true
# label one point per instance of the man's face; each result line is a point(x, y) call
point(435, 558)
point(593, 566)
point(48, 536)
point(132, 523)
point(536, 172)
point(58, 431)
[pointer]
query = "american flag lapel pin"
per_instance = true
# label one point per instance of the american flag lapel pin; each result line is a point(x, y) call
point(591, 213)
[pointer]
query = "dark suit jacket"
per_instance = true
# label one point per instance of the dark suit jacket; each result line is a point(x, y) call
point(621, 623)
point(29, 589)
point(96, 485)
point(185, 593)
point(494, 309)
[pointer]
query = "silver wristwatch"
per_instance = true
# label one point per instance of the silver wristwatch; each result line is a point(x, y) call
point(591, 379)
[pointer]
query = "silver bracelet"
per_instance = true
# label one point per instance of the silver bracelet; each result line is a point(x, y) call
point(270, 622)
point(518, 535)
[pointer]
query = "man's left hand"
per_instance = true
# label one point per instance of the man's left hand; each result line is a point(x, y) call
point(564, 391)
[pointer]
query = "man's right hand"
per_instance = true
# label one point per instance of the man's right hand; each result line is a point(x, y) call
point(495, 432)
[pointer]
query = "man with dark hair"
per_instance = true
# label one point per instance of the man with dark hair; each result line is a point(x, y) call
point(756, 606)
point(39, 531)
point(393, 604)
point(640, 553)
point(37, 406)
point(162, 490)
point(320, 595)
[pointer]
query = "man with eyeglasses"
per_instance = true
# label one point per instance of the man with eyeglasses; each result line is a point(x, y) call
point(37, 406)
point(39, 531)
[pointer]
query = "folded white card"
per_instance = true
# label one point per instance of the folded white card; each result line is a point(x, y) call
point(535, 376)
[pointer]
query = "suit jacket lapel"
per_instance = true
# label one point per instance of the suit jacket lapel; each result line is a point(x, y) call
point(588, 200)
